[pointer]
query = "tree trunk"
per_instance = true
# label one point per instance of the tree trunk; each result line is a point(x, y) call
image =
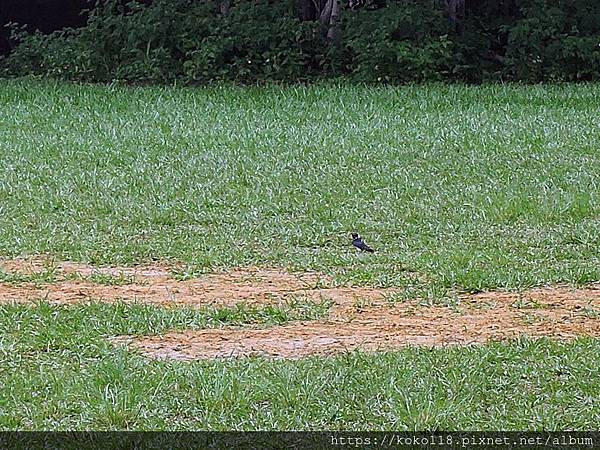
point(326, 11)
point(333, 20)
point(325, 15)
point(329, 17)
point(456, 13)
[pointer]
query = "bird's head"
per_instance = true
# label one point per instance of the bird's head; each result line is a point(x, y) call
point(354, 235)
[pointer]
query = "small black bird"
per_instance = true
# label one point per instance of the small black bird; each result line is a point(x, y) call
point(359, 244)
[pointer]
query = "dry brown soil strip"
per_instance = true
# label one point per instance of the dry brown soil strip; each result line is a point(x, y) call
point(359, 319)
point(156, 285)
point(558, 313)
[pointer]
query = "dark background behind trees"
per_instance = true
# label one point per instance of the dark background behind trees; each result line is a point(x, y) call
point(45, 15)
point(391, 41)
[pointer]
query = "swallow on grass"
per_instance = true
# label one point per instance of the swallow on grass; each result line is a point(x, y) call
point(359, 244)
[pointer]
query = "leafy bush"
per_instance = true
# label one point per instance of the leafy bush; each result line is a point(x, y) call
point(262, 40)
point(175, 39)
point(403, 42)
point(256, 41)
point(55, 55)
point(556, 40)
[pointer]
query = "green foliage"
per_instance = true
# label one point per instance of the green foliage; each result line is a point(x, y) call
point(257, 41)
point(175, 40)
point(192, 42)
point(56, 55)
point(556, 40)
point(402, 42)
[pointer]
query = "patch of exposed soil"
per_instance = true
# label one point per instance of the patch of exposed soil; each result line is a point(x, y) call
point(559, 313)
point(360, 318)
point(75, 283)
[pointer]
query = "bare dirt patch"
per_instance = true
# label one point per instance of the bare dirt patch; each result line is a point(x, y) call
point(78, 283)
point(559, 313)
point(360, 318)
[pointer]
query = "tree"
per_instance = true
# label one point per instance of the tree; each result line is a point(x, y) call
point(329, 17)
point(325, 11)
point(455, 9)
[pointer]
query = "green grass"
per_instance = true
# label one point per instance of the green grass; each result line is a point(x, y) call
point(475, 187)
point(107, 279)
point(60, 373)
point(469, 187)
point(37, 278)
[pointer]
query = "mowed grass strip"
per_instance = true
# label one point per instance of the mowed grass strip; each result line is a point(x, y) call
point(60, 373)
point(474, 187)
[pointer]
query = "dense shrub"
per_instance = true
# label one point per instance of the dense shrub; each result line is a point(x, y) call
point(176, 39)
point(556, 40)
point(256, 41)
point(405, 41)
point(192, 42)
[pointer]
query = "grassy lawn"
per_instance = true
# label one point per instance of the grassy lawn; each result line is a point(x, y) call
point(62, 374)
point(473, 187)
point(477, 187)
